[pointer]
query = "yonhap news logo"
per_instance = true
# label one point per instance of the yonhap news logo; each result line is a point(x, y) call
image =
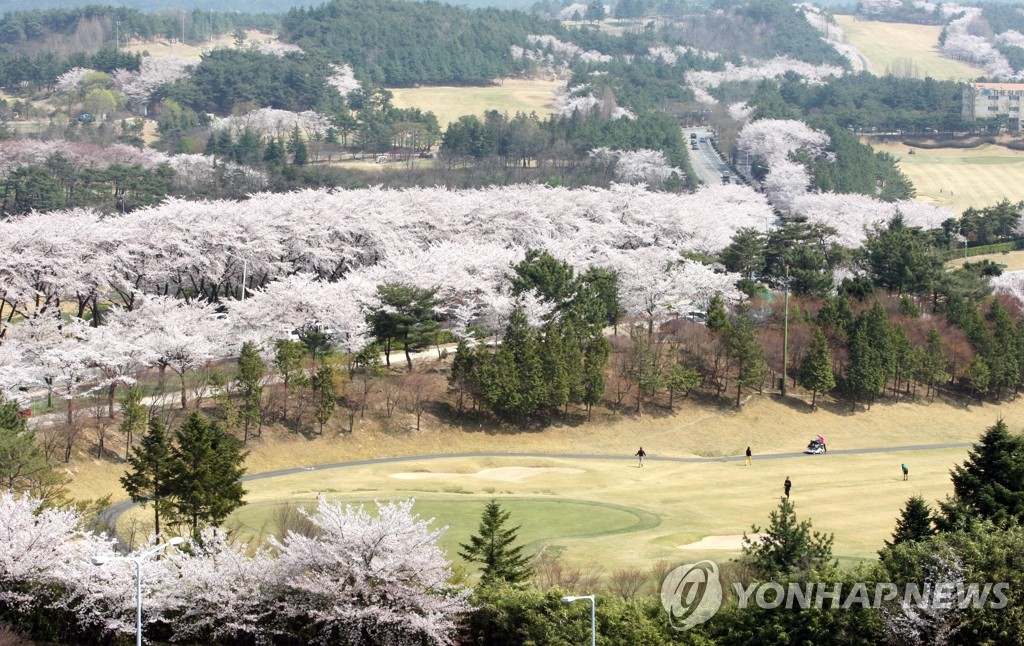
point(692, 594)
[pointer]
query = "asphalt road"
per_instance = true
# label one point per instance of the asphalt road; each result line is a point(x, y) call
point(113, 512)
point(705, 160)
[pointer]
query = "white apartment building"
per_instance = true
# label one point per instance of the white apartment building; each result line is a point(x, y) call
point(992, 100)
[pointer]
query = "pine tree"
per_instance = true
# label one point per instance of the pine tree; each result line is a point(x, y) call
point(865, 374)
point(989, 485)
point(681, 379)
point(914, 523)
point(324, 393)
point(786, 546)
point(718, 320)
point(749, 356)
point(492, 548)
point(21, 459)
point(206, 470)
point(133, 416)
point(288, 361)
point(250, 383)
point(595, 357)
point(816, 367)
point(149, 477)
point(933, 367)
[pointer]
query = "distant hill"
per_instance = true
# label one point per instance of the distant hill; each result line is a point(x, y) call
point(243, 6)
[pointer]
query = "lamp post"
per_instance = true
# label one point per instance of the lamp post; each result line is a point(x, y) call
point(137, 560)
point(245, 267)
point(593, 615)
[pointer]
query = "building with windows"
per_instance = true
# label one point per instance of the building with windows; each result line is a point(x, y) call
point(993, 101)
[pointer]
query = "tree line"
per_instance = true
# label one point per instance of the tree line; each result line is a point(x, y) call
point(412, 43)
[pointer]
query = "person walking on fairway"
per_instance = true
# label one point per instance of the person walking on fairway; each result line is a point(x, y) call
point(640, 454)
point(906, 472)
point(748, 456)
point(786, 486)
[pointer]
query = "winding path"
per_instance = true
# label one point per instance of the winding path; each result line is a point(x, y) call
point(113, 512)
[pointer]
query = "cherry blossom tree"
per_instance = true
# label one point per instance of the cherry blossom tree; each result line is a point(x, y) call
point(370, 578)
point(182, 336)
point(216, 590)
point(154, 71)
point(42, 550)
point(343, 79)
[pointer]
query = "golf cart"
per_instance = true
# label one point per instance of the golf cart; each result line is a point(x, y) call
point(815, 447)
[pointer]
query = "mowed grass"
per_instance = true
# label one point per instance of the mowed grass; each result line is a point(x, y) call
point(889, 46)
point(616, 515)
point(670, 504)
point(960, 178)
point(450, 103)
point(1014, 260)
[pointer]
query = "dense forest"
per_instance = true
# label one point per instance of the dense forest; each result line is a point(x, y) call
point(410, 43)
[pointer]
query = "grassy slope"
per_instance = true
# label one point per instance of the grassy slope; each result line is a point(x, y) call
point(449, 103)
point(957, 178)
point(856, 496)
point(887, 46)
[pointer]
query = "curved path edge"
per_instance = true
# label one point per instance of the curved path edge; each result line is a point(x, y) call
point(110, 515)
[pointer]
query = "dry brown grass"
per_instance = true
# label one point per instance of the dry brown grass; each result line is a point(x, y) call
point(450, 103)
point(162, 48)
point(890, 47)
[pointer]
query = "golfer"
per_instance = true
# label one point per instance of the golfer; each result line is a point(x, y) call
point(748, 456)
point(640, 454)
point(786, 486)
point(906, 472)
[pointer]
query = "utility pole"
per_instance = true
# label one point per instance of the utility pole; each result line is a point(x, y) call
point(117, 37)
point(785, 336)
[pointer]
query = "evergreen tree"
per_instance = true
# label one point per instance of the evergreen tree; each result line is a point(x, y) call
point(288, 361)
point(149, 477)
point(21, 459)
point(324, 394)
point(681, 379)
point(206, 468)
point(492, 547)
point(297, 147)
point(464, 367)
point(745, 253)
point(556, 370)
point(595, 357)
point(816, 367)
point(250, 384)
point(933, 366)
point(133, 416)
point(718, 320)
point(914, 523)
point(786, 546)
point(406, 315)
point(989, 485)
point(527, 361)
point(749, 356)
point(865, 374)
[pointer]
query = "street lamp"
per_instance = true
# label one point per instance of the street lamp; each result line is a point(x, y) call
point(593, 616)
point(137, 560)
point(245, 267)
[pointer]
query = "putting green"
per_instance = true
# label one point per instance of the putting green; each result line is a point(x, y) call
point(612, 514)
point(544, 523)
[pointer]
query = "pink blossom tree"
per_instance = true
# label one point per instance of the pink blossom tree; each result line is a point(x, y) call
point(363, 575)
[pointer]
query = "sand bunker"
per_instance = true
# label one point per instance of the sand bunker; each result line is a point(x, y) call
point(720, 542)
point(504, 474)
